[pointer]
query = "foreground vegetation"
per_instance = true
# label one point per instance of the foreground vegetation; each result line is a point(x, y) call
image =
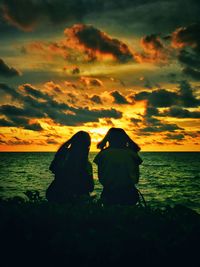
point(86, 233)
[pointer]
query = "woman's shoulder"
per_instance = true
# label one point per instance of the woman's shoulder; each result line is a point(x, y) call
point(135, 156)
point(130, 153)
point(100, 155)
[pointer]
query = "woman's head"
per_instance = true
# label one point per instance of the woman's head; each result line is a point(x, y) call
point(117, 138)
point(80, 139)
point(79, 142)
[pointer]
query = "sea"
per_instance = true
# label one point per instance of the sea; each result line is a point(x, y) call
point(166, 178)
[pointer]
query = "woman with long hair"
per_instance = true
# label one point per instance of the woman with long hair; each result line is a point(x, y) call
point(72, 170)
point(118, 168)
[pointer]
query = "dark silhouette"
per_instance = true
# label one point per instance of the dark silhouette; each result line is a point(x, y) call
point(72, 169)
point(118, 168)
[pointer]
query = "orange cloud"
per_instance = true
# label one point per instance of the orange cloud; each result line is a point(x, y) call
point(47, 50)
point(154, 50)
point(187, 36)
point(91, 81)
point(97, 44)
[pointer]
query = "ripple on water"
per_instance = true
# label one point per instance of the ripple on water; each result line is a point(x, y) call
point(165, 177)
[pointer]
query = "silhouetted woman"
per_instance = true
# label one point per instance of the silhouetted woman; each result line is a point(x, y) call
point(118, 168)
point(72, 169)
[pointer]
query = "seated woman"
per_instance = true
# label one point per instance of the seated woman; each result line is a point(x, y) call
point(118, 168)
point(72, 169)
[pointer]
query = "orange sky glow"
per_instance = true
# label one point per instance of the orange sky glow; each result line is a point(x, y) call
point(91, 76)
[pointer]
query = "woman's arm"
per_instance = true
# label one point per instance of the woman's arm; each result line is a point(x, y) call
point(98, 162)
point(100, 175)
point(90, 177)
point(136, 161)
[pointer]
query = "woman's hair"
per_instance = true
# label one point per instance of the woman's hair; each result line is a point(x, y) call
point(77, 148)
point(117, 138)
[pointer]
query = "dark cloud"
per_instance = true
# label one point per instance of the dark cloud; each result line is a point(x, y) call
point(27, 14)
point(30, 90)
point(76, 70)
point(153, 124)
point(189, 58)
point(152, 42)
point(158, 16)
point(7, 71)
point(9, 91)
point(72, 98)
point(158, 98)
point(119, 98)
point(6, 123)
point(24, 123)
point(179, 112)
point(151, 111)
point(154, 49)
point(186, 95)
point(17, 119)
point(10, 110)
point(23, 15)
point(51, 135)
point(174, 136)
point(127, 15)
point(135, 121)
point(96, 43)
point(88, 81)
point(51, 141)
point(16, 141)
point(193, 134)
point(195, 74)
point(80, 117)
point(107, 122)
point(96, 82)
point(34, 127)
point(160, 127)
point(172, 77)
point(164, 98)
point(147, 84)
point(83, 43)
point(96, 99)
point(84, 115)
point(191, 62)
point(188, 39)
point(187, 36)
point(151, 121)
point(36, 104)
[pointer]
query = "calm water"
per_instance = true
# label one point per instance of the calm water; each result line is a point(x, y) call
point(166, 177)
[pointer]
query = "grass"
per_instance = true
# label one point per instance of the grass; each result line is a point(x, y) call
point(85, 233)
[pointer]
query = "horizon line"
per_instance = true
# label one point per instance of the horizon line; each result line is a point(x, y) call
point(53, 151)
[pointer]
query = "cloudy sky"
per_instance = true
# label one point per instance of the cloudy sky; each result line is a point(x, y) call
point(90, 65)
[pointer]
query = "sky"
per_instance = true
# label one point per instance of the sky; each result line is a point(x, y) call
point(91, 65)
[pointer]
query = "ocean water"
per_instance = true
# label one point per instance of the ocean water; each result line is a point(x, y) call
point(167, 178)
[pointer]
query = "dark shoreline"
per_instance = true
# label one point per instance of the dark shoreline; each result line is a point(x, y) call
point(92, 235)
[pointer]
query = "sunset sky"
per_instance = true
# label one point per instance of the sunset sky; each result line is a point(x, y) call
point(90, 65)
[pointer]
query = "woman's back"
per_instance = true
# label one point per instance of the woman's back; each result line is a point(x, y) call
point(118, 167)
point(73, 171)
